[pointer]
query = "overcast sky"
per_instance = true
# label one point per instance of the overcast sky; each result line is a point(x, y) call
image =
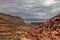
point(31, 9)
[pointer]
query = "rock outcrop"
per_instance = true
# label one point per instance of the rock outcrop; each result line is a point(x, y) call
point(49, 30)
point(11, 27)
point(14, 28)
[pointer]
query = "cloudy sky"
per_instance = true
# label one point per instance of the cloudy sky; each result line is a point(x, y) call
point(33, 10)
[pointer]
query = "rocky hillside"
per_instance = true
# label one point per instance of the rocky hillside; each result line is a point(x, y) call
point(49, 30)
point(8, 19)
point(8, 22)
point(14, 28)
point(11, 27)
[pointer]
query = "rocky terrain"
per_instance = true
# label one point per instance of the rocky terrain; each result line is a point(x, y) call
point(14, 28)
point(11, 27)
point(49, 30)
point(8, 19)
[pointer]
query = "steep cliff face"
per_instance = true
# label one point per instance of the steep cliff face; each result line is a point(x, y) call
point(49, 30)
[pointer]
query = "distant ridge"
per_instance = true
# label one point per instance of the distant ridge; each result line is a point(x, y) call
point(37, 23)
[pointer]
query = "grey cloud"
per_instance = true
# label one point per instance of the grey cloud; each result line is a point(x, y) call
point(30, 8)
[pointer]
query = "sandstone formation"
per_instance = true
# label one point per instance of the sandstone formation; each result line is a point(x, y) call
point(11, 27)
point(14, 28)
point(8, 19)
point(49, 30)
